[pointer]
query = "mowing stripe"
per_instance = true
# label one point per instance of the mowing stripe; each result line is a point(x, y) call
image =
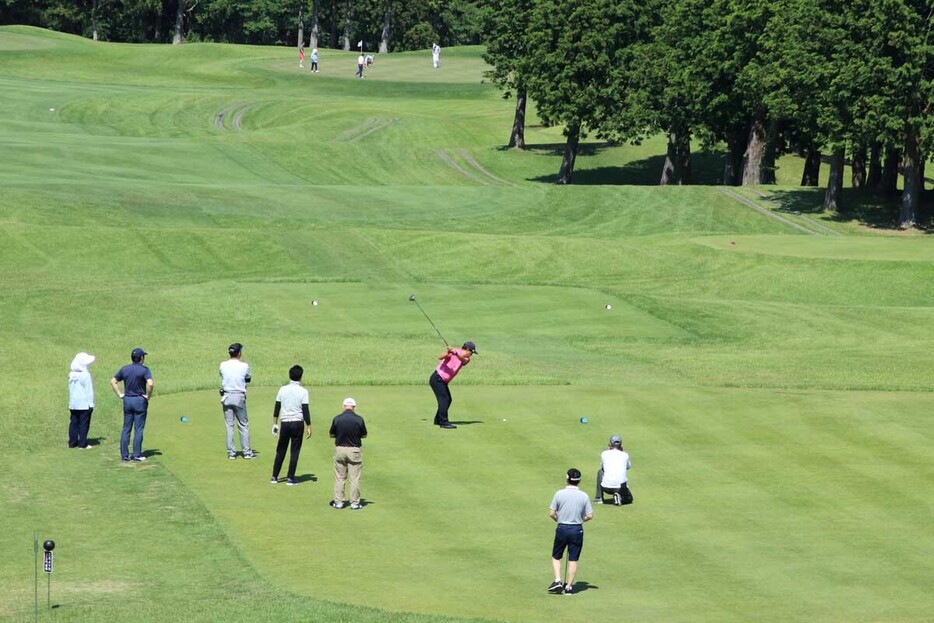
point(751, 204)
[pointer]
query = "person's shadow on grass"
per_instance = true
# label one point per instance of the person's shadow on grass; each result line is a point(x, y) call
point(151, 453)
point(466, 422)
point(580, 587)
point(96, 441)
point(306, 478)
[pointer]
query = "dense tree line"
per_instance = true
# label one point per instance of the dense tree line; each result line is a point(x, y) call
point(834, 79)
point(386, 25)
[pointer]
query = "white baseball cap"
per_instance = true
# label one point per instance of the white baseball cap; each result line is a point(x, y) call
point(350, 402)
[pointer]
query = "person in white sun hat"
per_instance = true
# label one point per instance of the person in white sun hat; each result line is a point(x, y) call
point(80, 400)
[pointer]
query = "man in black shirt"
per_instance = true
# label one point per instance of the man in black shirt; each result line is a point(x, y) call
point(347, 430)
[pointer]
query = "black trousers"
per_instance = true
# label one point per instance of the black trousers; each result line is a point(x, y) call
point(78, 427)
point(443, 395)
point(623, 490)
point(290, 434)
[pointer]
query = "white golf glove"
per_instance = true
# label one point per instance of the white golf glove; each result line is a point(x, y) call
point(275, 429)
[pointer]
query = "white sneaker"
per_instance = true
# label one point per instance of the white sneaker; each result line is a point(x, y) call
point(355, 506)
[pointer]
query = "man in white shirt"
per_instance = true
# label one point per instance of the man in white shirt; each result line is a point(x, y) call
point(292, 409)
point(235, 374)
point(611, 477)
point(360, 61)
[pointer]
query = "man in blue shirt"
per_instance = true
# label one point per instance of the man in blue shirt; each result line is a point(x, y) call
point(137, 390)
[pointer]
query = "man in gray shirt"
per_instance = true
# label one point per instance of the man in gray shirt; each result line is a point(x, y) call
point(570, 508)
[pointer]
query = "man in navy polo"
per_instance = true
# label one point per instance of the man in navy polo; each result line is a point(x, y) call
point(137, 390)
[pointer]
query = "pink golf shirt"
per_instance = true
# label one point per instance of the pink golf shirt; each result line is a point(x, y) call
point(449, 367)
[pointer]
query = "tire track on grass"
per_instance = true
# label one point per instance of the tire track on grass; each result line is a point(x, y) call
point(450, 162)
point(371, 125)
point(765, 212)
point(468, 157)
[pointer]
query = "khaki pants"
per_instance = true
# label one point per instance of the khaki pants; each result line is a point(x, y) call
point(347, 461)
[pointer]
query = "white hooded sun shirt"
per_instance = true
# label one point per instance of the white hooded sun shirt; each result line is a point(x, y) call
point(80, 385)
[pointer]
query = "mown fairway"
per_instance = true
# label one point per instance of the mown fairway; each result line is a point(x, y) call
point(773, 386)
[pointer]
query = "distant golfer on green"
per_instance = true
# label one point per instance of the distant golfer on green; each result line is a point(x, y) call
point(570, 508)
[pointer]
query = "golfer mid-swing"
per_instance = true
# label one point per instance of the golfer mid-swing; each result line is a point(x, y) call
point(450, 363)
point(570, 508)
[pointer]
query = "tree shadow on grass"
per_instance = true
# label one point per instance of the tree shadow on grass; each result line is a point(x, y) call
point(706, 167)
point(868, 209)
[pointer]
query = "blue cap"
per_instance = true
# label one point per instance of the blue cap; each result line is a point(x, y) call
point(138, 353)
point(470, 346)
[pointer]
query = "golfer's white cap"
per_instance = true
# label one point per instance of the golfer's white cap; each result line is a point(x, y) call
point(350, 402)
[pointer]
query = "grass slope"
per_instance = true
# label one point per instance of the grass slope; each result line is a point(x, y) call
point(768, 383)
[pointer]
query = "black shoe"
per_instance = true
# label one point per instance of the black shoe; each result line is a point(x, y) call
point(447, 425)
point(555, 587)
point(568, 590)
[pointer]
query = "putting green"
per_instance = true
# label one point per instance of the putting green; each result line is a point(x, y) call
point(858, 248)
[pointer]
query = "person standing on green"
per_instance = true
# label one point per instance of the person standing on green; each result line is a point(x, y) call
point(570, 508)
point(137, 390)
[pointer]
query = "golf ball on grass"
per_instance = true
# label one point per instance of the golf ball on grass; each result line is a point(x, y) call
point(608, 307)
point(314, 303)
point(584, 420)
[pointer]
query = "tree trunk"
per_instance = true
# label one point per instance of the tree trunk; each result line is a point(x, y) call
point(301, 27)
point(315, 27)
point(570, 154)
point(888, 181)
point(333, 19)
point(811, 175)
point(384, 36)
point(179, 36)
point(347, 10)
point(832, 198)
point(858, 167)
point(95, 5)
point(912, 178)
point(733, 168)
point(677, 167)
point(875, 166)
point(773, 138)
point(755, 152)
point(922, 160)
point(517, 137)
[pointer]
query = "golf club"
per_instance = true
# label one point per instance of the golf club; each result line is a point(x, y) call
point(566, 559)
point(412, 299)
